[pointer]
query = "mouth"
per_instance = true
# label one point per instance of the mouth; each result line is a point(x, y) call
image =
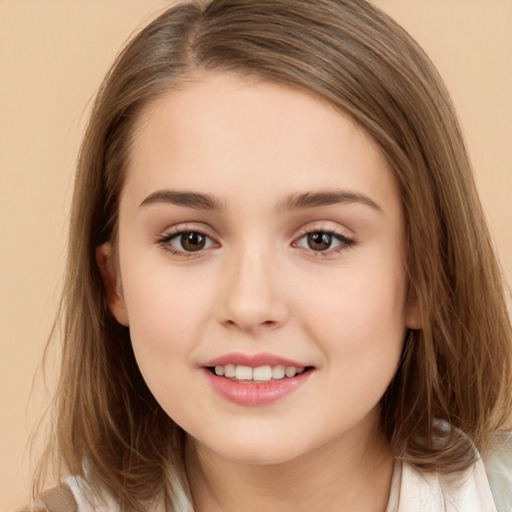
point(257, 375)
point(256, 380)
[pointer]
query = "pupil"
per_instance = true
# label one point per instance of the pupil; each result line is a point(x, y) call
point(192, 241)
point(319, 241)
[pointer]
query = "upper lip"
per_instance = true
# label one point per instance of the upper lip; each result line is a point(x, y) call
point(253, 360)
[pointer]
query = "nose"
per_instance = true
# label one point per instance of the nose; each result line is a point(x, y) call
point(252, 298)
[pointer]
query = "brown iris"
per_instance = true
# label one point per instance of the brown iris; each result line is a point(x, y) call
point(192, 241)
point(319, 241)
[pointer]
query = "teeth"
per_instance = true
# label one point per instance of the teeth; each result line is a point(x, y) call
point(278, 372)
point(259, 374)
point(243, 373)
point(262, 373)
point(229, 370)
point(291, 371)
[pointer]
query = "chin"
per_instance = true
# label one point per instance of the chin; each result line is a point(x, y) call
point(259, 458)
point(255, 450)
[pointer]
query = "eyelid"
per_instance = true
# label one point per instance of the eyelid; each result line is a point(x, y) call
point(164, 239)
point(185, 227)
point(326, 227)
point(346, 242)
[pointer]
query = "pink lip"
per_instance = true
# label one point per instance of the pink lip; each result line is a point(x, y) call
point(253, 360)
point(262, 393)
point(253, 394)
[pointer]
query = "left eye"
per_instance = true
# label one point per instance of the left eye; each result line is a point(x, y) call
point(320, 241)
point(190, 241)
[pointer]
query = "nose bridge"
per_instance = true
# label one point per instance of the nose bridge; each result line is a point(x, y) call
point(252, 298)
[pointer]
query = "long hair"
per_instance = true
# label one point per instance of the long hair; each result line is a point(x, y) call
point(455, 374)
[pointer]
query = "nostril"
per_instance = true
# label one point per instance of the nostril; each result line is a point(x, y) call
point(251, 326)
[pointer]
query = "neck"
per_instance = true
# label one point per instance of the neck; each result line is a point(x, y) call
point(341, 476)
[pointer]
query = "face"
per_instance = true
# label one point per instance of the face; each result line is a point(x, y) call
point(260, 268)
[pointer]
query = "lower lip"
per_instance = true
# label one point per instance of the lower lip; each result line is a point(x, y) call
point(253, 394)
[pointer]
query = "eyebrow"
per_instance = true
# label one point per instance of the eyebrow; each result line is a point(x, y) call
point(193, 200)
point(326, 198)
point(298, 201)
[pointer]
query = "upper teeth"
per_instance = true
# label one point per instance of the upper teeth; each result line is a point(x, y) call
point(261, 373)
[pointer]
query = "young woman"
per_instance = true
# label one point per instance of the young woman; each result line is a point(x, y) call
point(281, 293)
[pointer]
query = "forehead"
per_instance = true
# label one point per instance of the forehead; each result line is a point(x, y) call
point(221, 131)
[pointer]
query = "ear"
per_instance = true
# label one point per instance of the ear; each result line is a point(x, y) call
point(106, 261)
point(413, 318)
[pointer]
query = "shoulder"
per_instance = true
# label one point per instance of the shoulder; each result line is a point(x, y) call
point(498, 466)
point(485, 485)
point(72, 495)
point(58, 499)
point(86, 499)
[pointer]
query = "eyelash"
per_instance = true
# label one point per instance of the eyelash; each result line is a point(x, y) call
point(165, 240)
point(345, 243)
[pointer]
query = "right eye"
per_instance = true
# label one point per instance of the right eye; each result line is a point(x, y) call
point(324, 242)
point(183, 242)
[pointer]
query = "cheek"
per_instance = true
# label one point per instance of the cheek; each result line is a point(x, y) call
point(365, 349)
point(166, 321)
point(166, 310)
point(352, 303)
point(358, 318)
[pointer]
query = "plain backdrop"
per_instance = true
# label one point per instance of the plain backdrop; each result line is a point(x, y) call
point(53, 55)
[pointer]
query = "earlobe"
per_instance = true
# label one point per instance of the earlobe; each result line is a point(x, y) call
point(413, 318)
point(105, 259)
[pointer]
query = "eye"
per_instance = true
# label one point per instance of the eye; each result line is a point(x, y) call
point(191, 241)
point(324, 241)
point(186, 242)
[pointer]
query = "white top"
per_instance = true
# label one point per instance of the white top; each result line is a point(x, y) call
point(486, 486)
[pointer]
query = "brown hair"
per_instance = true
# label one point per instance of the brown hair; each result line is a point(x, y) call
point(455, 374)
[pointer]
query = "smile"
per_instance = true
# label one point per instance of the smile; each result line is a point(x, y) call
point(265, 373)
point(256, 380)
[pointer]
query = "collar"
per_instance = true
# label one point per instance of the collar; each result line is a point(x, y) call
point(432, 491)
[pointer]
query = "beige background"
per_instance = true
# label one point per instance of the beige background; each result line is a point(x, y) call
point(53, 54)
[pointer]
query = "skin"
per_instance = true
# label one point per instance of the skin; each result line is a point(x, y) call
point(258, 286)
